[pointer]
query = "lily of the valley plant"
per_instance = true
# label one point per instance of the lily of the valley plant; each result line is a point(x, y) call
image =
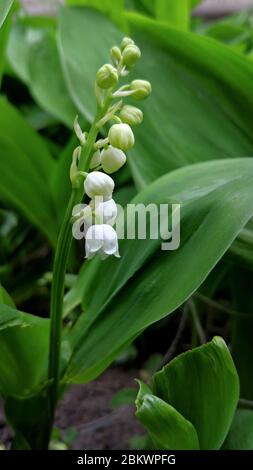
point(93, 161)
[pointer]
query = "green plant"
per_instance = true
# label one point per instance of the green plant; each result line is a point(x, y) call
point(192, 149)
point(192, 401)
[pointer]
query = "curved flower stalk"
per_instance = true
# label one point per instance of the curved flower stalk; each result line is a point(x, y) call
point(93, 161)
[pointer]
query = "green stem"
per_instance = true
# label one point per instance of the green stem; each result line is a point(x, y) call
point(59, 271)
point(56, 306)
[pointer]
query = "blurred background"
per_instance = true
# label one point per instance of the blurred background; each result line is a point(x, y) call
point(209, 8)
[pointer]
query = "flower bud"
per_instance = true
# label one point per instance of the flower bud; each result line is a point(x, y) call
point(99, 184)
point(95, 160)
point(112, 159)
point(121, 136)
point(126, 42)
point(131, 55)
point(142, 89)
point(116, 55)
point(107, 76)
point(131, 115)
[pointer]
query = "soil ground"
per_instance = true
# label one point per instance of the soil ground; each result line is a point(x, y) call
point(87, 409)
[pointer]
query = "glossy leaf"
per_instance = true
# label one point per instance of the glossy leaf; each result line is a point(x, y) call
point(176, 14)
point(194, 3)
point(147, 283)
point(168, 429)
point(23, 338)
point(190, 72)
point(113, 8)
point(46, 79)
point(27, 412)
point(202, 385)
point(5, 299)
point(5, 24)
point(18, 51)
point(80, 77)
point(25, 170)
point(22, 187)
point(187, 76)
point(33, 54)
point(240, 436)
point(29, 418)
point(5, 7)
point(14, 127)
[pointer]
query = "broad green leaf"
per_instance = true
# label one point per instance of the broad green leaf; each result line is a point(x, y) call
point(189, 76)
point(143, 6)
point(190, 73)
point(202, 385)
point(5, 7)
point(174, 13)
point(241, 249)
point(14, 127)
point(23, 351)
point(79, 68)
point(240, 436)
point(60, 180)
point(26, 168)
point(168, 429)
point(27, 415)
point(113, 8)
point(227, 32)
point(29, 418)
point(22, 35)
point(46, 79)
point(5, 299)
point(18, 51)
point(146, 284)
point(5, 24)
point(194, 3)
point(33, 55)
point(22, 186)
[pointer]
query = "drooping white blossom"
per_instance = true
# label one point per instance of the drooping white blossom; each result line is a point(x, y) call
point(105, 212)
point(99, 184)
point(101, 240)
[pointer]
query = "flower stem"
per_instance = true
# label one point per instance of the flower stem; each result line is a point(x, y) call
point(59, 271)
point(56, 305)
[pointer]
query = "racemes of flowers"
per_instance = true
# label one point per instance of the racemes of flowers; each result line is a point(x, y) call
point(106, 156)
point(94, 160)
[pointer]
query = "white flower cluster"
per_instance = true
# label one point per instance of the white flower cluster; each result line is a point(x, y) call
point(109, 153)
point(100, 237)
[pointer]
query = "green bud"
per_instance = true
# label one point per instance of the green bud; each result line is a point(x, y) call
point(142, 89)
point(107, 76)
point(116, 55)
point(121, 136)
point(126, 42)
point(131, 55)
point(112, 159)
point(131, 115)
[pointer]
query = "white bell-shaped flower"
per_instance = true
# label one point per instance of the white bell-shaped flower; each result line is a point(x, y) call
point(105, 212)
point(102, 240)
point(99, 184)
point(112, 159)
point(83, 220)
